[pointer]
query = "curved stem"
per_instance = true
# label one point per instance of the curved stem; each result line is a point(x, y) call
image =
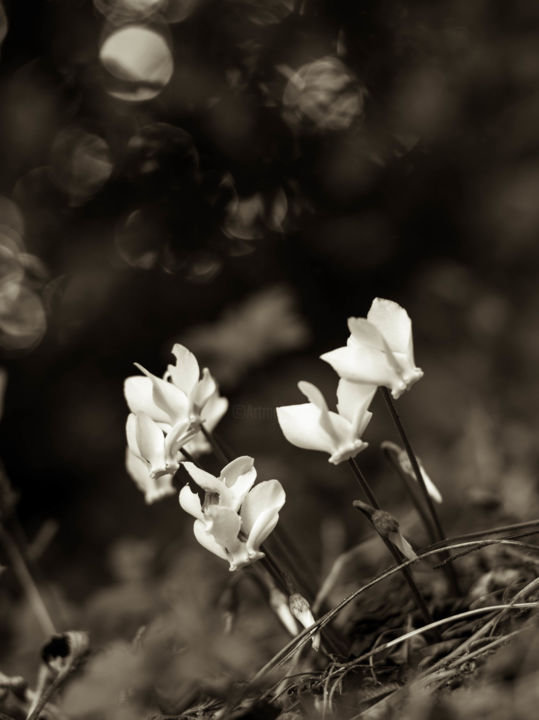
point(451, 575)
point(364, 483)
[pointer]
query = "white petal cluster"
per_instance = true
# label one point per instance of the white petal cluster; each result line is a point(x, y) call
point(236, 516)
point(166, 415)
point(313, 426)
point(379, 350)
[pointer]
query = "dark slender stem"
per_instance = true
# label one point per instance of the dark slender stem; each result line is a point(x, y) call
point(215, 444)
point(297, 567)
point(364, 483)
point(187, 455)
point(451, 575)
point(389, 453)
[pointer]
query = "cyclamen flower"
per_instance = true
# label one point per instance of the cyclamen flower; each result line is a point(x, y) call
point(313, 426)
point(182, 395)
point(379, 350)
point(147, 459)
point(235, 517)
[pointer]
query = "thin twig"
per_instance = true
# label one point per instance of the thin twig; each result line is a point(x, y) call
point(27, 583)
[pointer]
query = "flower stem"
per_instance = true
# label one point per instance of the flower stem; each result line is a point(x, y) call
point(215, 444)
point(451, 574)
point(187, 456)
point(26, 581)
point(364, 483)
point(390, 449)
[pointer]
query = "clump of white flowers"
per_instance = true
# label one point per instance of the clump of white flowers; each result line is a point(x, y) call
point(235, 516)
point(166, 415)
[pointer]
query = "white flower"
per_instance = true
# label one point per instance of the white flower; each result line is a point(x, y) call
point(379, 350)
point(231, 487)
point(147, 459)
point(235, 518)
point(313, 426)
point(183, 396)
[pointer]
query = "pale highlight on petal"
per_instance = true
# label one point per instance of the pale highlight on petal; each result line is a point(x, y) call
point(138, 391)
point(205, 480)
point(185, 374)
point(190, 502)
point(394, 324)
point(301, 427)
point(206, 539)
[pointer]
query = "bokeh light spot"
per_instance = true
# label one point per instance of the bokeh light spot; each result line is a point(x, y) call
point(140, 58)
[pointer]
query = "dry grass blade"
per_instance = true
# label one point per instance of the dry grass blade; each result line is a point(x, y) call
point(285, 653)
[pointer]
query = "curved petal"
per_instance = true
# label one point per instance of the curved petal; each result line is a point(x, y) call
point(224, 524)
point(206, 539)
point(151, 441)
point(131, 433)
point(138, 469)
point(353, 399)
point(263, 527)
point(190, 502)
point(203, 390)
point(186, 372)
point(267, 496)
point(159, 487)
point(167, 397)
point(365, 334)
point(204, 479)
point(213, 411)
point(313, 394)
point(138, 391)
point(154, 488)
point(394, 324)
point(301, 426)
point(365, 365)
point(238, 478)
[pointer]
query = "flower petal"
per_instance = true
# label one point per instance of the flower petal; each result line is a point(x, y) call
point(154, 488)
point(190, 502)
point(203, 479)
point(267, 496)
point(207, 540)
point(185, 374)
point(394, 324)
point(365, 334)
point(238, 478)
point(138, 393)
point(138, 469)
point(353, 399)
point(365, 365)
point(203, 390)
point(151, 441)
point(224, 524)
point(301, 426)
point(131, 434)
point(313, 394)
point(213, 411)
point(167, 397)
